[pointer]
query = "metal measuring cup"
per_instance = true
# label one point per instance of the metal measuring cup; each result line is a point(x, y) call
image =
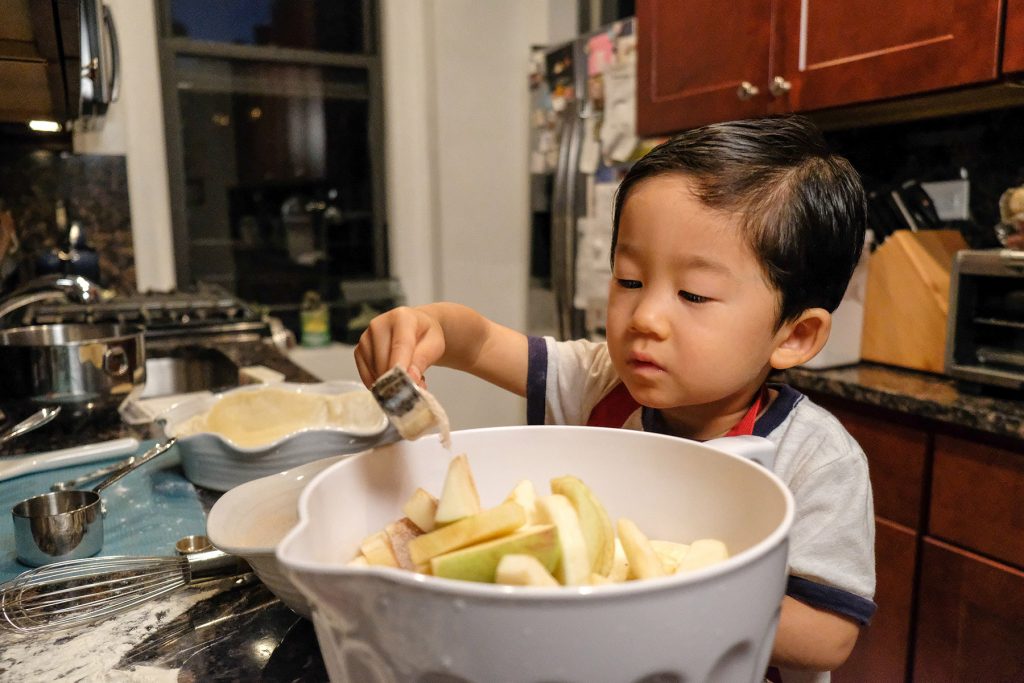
point(67, 525)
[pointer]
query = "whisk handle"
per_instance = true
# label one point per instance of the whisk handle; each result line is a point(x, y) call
point(212, 564)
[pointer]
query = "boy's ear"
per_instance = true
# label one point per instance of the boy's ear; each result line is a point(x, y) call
point(801, 339)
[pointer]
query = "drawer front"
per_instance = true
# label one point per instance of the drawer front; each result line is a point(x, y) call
point(977, 498)
point(896, 460)
point(882, 648)
point(970, 620)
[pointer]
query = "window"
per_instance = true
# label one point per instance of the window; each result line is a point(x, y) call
point(275, 147)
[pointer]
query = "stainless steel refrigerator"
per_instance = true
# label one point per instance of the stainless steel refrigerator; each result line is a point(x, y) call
point(582, 140)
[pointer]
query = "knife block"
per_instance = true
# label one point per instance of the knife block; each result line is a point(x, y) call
point(907, 299)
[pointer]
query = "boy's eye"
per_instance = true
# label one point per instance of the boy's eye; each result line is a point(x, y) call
point(628, 284)
point(691, 297)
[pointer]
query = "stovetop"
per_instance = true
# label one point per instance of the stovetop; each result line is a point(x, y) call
point(206, 310)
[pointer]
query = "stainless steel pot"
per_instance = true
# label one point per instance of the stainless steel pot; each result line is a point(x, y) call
point(85, 369)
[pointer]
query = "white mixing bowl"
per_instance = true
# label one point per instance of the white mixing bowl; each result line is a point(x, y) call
point(250, 519)
point(716, 624)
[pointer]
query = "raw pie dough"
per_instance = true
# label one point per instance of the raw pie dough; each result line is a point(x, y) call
point(260, 417)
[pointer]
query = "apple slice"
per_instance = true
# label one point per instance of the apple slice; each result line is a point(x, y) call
point(459, 498)
point(358, 561)
point(620, 564)
point(526, 495)
point(378, 551)
point(482, 526)
point(400, 533)
point(480, 562)
point(523, 570)
point(643, 561)
point(574, 569)
point(703, 552)
point(597, 528)
point(670, 553)
point(421, 508)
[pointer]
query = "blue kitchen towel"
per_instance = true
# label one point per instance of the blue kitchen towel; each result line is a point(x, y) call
point(147, 511)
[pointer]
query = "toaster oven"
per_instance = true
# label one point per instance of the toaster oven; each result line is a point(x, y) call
point(985, 333)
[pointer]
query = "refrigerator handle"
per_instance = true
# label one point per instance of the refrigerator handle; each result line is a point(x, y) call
point(563, 228)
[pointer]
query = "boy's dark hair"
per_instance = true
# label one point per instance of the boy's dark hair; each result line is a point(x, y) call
point(802, 208)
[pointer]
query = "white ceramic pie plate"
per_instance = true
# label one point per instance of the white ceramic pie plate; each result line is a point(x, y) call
point(215, 462)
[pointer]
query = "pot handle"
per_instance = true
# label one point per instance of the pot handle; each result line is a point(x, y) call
point(115, 361)
point(756, 448)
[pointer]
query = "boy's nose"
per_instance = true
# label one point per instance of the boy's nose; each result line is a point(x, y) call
point(650, 317)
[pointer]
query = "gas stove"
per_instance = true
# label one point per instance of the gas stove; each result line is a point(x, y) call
point(205, 313)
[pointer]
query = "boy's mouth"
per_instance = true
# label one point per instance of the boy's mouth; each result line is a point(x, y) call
point(640, 361)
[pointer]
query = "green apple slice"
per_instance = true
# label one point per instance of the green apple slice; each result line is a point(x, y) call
point(482, 526)
point(670, 553)
point(526, 495)
point(459, 498)
point(703, 552)
point(643, 560)
point(523, 570)
point(574, 569)
point(597, 527)
point(480, 562)
point(421, 508)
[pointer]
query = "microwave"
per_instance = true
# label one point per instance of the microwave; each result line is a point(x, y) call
point(985, 331)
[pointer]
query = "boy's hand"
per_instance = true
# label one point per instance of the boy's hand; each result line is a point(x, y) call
point(409, 337)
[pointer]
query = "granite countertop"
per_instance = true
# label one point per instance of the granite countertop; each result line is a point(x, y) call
point(230, 629)
point(923, 395)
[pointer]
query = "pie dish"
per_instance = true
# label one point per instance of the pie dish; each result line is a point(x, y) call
point(232, 437)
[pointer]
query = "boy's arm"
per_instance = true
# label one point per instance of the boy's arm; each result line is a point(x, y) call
point(812, 639)
point(444, 334)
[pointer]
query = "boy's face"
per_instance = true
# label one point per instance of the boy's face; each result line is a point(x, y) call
point(691, 320)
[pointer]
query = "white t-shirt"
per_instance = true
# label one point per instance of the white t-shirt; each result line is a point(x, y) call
point(832, 541)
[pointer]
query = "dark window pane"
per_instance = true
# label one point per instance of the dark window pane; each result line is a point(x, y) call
point(278, 176)
point(331, 25)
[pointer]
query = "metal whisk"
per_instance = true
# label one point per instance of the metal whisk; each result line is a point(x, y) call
point(75, 592)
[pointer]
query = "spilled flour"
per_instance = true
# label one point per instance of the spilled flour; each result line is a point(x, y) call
point(87, 653)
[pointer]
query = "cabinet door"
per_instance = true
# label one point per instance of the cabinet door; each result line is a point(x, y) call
point(970, 619)
point(882, 648)
point(1013, 44)
point(692, 58)
point(836, 53)
point(989, 482)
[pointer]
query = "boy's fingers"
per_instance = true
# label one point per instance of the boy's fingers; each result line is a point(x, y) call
point(400, 344)
point(364, 371)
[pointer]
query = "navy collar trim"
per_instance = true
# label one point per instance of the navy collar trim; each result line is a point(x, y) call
point(777, 412)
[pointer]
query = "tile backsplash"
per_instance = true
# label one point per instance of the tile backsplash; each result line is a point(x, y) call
point(95, 191)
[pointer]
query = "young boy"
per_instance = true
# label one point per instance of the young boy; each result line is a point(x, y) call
point(732, 245)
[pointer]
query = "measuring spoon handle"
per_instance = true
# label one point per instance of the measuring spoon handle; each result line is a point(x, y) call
point(153, 452)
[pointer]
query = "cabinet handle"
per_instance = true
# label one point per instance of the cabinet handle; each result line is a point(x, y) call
point(747, 90)
point(780, 86)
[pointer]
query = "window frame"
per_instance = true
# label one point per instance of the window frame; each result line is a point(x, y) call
point(170, 47)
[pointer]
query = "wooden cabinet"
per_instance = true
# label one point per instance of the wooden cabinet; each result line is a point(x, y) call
point(882, 650)
point(977, 498)
point(1013, 42)
point(694, 57)
point(948, 512)
point(34, 56)
point(803, 55)
point(970, 621)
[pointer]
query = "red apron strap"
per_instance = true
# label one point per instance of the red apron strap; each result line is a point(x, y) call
point(618, 404)
point(745, 426)
point(614, 409)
